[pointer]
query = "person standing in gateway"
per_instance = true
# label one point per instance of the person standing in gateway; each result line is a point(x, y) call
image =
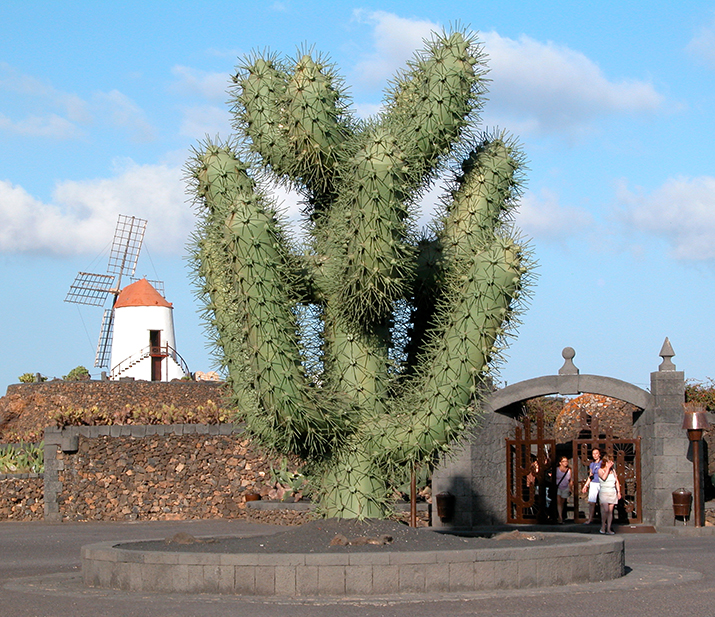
point(592, 484)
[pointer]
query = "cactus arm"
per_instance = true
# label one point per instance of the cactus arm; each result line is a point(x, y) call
point(297, 122)
point(290, 415)
point(484, 268)
point(484, 198)
point(213, 282)
point(437, 405)
point(432, 103)
point(257, 98)
point(317, 124)
point(370, 259)
point(426, 113)
point(357, 363)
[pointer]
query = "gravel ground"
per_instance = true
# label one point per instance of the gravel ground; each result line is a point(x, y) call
point(316, 537)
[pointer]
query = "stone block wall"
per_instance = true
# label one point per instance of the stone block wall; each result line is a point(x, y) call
point(475, 473)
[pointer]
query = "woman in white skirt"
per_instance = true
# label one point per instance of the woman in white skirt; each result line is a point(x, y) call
point(609, 493)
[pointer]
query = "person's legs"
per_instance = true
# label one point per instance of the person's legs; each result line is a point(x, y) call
point(593, 490)
point(591, 512)
point(560, 507)
point(604, 516)
point(610, 517)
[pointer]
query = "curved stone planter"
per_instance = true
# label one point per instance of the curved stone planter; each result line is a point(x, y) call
point(358, 574)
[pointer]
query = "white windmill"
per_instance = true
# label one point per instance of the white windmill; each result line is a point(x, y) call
point(136, 338)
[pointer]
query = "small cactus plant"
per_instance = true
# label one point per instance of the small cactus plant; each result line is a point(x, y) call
point(365, 350)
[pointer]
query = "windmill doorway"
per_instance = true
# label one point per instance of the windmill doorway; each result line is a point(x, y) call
point(156, 354)
point(532, 458)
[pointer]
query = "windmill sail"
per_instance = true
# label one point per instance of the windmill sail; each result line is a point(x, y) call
point(93, 289)
point(127, 243)
point(104, 345)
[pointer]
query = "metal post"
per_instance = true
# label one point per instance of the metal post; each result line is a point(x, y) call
point(695, 421)
point(698, 510)
point(413, 499)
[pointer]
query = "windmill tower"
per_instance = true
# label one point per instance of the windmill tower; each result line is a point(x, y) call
point(144, 347)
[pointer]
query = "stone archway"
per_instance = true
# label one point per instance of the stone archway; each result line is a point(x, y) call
point(475, 473)
point(567, 382)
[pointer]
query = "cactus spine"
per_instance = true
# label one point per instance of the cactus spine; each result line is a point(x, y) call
point(364, 419)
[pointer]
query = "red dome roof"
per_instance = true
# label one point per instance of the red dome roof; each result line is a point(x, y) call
point(140, 293)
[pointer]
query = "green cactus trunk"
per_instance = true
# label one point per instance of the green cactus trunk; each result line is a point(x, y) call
point(360, 419)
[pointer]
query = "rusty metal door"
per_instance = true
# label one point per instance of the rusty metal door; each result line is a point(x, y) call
point(531, 460)
point(529, 463)
point(626, 454)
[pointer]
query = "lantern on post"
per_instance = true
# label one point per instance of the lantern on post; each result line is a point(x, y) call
point(695, 421)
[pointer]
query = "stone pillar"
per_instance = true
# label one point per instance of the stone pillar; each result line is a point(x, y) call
point(664, 444)
point(53, 465)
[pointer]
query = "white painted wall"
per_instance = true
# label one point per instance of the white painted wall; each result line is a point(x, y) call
point(132, 325)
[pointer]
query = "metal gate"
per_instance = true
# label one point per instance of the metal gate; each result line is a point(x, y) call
point(531, 464)
point(625, 453)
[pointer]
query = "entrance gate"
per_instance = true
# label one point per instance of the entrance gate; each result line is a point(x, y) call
point(531, 464)
point(529, 467)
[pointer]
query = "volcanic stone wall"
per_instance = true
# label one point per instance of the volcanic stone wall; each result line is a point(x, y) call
point(21, 497)
point(117, 473)
point(113, 395)
point(27, 408)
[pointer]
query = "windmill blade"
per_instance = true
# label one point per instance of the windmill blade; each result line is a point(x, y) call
point(127, 243)
point(104, 346)
point(91, 289)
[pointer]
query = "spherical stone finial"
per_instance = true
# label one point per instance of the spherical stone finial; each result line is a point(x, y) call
point(569, 368)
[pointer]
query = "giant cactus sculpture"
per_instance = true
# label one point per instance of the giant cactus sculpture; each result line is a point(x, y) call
point(405, 327)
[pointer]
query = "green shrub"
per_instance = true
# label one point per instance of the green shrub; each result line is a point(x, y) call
point(30, 378)
point(22, 458)
point(210, 413)
point(79, 373)
point(702, 392)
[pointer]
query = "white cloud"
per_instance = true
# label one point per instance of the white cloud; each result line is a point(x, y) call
point(702, 45)
point(64, 115)
point(544, 218)
point(30, 87)
point(367, 110)
point(200, 121)
point(212, 86)
point(681, 211)
point(51, 125)
point(543, 87)
point(535, 87)
point(289, 203)
point(82, 215)
point(396, 40)
point(124, 113)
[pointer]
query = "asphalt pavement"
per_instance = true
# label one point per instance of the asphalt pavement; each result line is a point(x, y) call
point(40, 577)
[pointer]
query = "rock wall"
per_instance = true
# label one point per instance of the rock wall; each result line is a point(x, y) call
point(116, 473)
point(21, 497)
point(27, 409)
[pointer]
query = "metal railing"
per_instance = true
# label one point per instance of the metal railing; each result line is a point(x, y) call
point(152, 351)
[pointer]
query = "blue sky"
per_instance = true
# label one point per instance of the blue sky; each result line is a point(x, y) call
point(613, 102)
